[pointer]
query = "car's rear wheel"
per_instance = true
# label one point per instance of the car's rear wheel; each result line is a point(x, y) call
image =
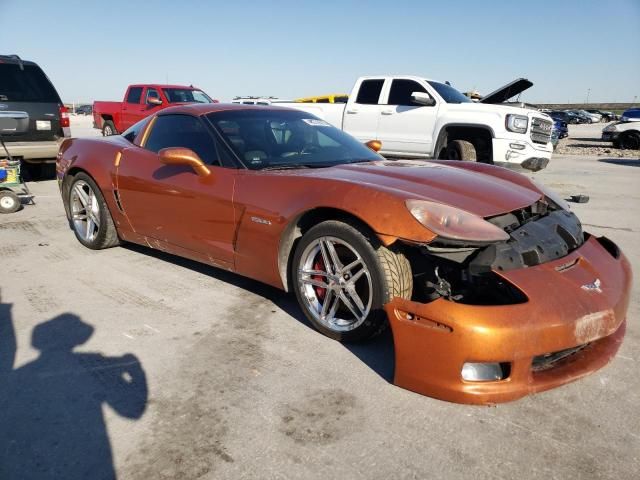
point(343, 276)
point(109, 129)
point(629, 140)
point(461, 150)
point(90, 217)
point(9, 202)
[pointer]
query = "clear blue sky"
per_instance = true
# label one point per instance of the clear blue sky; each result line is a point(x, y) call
point(93, 50)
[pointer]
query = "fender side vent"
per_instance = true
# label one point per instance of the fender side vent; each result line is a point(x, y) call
point(116, 196)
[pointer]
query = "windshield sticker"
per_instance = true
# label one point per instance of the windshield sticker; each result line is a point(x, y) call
point(315, 122)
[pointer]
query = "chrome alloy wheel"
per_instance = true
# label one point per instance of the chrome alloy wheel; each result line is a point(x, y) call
point(85, 211)
point(335, 284)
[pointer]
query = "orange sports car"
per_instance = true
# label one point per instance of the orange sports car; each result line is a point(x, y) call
point(490, 285)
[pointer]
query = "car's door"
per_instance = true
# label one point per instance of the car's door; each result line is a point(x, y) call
point(131, 107)
point(362, 114)
point(171, 203)
point(406, 127)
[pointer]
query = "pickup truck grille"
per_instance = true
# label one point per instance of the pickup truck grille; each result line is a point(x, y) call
point(541, 130)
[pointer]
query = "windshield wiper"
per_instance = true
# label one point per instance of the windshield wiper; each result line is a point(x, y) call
point(285, 166)
point(293, 166)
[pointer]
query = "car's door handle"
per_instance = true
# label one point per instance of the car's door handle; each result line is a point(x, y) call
point(387, 112)
point(352, 111)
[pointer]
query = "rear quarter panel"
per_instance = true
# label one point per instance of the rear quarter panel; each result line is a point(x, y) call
point(107, 109)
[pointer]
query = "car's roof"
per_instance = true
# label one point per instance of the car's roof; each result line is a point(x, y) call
point(15, 59)
point(164, 85)
point(205, 108)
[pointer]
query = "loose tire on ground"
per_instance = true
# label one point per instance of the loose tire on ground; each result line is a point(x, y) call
point(104, 235)
point(461, 150)
point(389, 275)
point(9, 202)
point(109, 129)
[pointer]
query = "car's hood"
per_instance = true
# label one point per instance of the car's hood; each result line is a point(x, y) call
point(476, 188)
point(508, 91)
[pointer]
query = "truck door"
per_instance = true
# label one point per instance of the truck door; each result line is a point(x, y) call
point(405, 127)
point(131, 108)
point(362, 113)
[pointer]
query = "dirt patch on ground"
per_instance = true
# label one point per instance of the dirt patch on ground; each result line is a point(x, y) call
point(320, 417)
point(591, 147)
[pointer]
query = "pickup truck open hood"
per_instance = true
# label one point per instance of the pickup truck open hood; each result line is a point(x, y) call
point(480, 189)
point(507, 91)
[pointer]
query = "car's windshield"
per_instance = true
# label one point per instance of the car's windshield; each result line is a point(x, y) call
point(448, 93)
point(287, 139)
point(186, 95)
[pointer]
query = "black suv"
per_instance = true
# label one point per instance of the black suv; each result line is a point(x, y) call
point(25, 88)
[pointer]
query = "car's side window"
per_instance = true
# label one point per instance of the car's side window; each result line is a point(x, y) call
point(183, 131)
point(134, 95)
point(369, 92)
point(401, 90)
point(133, 131)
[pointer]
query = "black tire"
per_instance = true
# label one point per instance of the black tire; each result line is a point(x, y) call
point(629, 140)
point(390, 274)
point(9, 202)
point(106, 235)
point(108, 129)
point(461, 150)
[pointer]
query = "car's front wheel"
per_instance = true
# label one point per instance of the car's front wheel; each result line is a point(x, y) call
point(629, 140)
point(342, 277)
point(90, 217)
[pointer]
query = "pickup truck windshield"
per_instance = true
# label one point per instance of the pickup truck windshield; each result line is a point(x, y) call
point(448, 93)
point(186, 95)
point(274, 139)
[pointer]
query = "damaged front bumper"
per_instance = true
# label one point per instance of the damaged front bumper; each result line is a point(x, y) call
point(572, 324)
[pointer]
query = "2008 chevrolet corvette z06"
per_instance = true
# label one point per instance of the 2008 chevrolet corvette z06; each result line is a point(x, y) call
point(490, 285)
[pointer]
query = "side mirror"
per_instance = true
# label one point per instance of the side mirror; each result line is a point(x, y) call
point(184, 156)
point(154, 101)
point(422, 98)
point(374, 145)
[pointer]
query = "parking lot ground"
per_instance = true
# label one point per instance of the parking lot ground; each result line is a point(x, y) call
point(239, 386)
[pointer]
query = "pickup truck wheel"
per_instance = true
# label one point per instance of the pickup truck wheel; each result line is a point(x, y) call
point(9, 202)
point(342, 276)
point(629, 140)
point(90, 216)
point(109, 129)
point(461, 150)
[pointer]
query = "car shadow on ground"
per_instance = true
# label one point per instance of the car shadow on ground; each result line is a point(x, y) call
point(377, 353)
point(627, 162)
point(51, 408)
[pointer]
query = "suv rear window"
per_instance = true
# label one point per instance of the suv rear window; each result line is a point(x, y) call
point(28, 85)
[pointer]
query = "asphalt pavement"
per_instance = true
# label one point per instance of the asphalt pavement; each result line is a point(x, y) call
point(140, 363)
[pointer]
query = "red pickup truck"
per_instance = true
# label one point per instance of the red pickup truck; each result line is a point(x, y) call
point(140, 101)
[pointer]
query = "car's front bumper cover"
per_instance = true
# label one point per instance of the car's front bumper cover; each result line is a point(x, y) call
point(580, 299)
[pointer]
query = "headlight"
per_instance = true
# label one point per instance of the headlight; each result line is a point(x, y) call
point(552, 195)
point(453, 223)
point(517, 123)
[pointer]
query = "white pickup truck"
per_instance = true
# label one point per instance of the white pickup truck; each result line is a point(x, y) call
point(417, 118)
